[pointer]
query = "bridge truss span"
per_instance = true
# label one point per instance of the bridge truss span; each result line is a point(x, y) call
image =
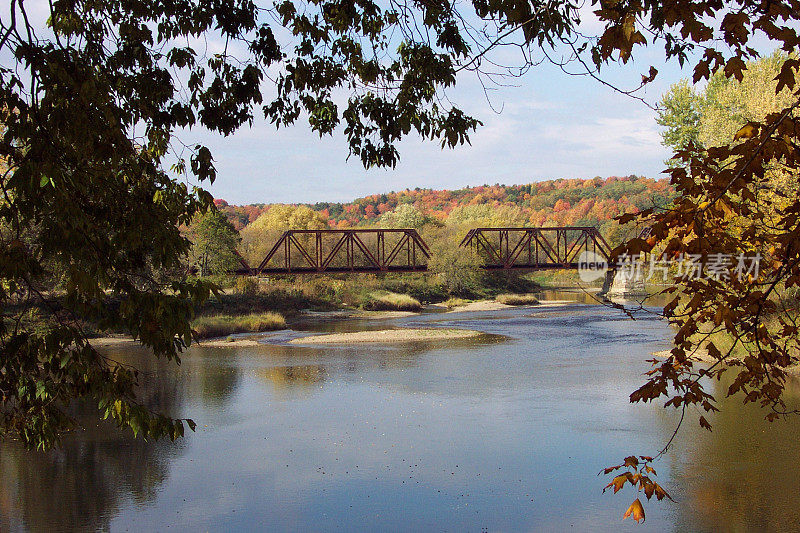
point(535, 248)
point(346, 250)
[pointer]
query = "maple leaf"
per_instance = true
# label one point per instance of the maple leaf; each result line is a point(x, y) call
point(635, 511)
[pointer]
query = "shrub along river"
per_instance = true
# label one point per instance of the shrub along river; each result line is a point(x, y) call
point(501, 432)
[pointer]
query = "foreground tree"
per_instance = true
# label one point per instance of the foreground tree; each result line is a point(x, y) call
point(735, 229)
point(91, 109)
point(457, 269)
point(721, 109)
point(713, 115)
point(680, 116)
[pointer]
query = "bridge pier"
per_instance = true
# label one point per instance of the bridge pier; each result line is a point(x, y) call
point(619, 285)
point(607, 282)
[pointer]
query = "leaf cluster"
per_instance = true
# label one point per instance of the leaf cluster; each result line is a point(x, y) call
point(638, 475)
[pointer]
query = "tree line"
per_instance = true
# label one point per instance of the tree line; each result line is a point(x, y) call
point(252, 229)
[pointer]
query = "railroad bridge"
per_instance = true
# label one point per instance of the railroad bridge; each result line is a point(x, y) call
point(404, 250)
point(346, 250)
point(535, 248)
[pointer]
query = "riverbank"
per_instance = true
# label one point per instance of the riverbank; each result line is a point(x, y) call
point(124, 341)
point(289, 294)
point(481, 305)
point(398, 335)
point(206, 327)
point(219, 330)
point(244, 302)
point(255, 306)
point(358, 314)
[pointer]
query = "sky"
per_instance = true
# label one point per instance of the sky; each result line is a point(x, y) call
point(546, 125)
point(550, 125)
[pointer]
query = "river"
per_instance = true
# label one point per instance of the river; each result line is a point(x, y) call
point(504, 432)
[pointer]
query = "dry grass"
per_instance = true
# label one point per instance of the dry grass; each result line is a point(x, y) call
point(517, 299)
point(222, 325)
point(456, 302)
point(392, 301)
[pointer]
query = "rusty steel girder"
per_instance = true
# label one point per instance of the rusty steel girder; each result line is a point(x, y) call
point(535, 248)
point(346, 250)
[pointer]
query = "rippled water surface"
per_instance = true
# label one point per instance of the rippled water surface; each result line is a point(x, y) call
point(503, 433)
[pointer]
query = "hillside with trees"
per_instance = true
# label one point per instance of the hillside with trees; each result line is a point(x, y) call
point(560, 202)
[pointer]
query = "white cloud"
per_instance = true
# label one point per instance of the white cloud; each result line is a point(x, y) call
point(533, 138)
point(609, 136)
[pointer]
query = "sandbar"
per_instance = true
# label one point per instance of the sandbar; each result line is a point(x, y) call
point(388, 336)
point(359, 314)
point(482, 305)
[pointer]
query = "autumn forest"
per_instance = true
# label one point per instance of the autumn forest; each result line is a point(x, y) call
point(560, 202)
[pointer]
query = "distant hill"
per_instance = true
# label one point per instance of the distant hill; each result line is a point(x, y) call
point(560, 202)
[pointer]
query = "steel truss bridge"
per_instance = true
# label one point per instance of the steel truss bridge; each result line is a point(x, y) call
point(535, 248)
point(403, 250)
point(346, 250)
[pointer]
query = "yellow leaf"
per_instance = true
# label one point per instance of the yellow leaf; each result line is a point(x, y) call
point(635, 511)
point(745, 133)
point(661, 493)
point(617, 482)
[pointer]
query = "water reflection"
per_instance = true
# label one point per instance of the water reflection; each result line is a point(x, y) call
point(742, 475)
point(80, 486)
point(283, 377)
point(83, 483)
point(503, 432)
point(99, 469)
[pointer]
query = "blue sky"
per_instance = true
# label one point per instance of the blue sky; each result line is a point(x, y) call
point(550, 125)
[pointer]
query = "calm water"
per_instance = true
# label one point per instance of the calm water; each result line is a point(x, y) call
point(503, 433)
